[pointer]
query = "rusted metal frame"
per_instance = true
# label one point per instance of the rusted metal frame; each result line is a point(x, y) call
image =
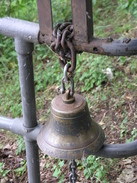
point(83, 31)
point(45, 19)
point(82, 18)
point(29, 32)
point(106, 46)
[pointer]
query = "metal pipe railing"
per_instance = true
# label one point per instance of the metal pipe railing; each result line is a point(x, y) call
point(15, 28)
point(30, 32)
point(16, 126)
point(25, 62)
point(26, 33)
point(107, 150)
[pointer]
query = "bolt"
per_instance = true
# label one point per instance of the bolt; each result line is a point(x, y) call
point(109, 39)
point(126, 40)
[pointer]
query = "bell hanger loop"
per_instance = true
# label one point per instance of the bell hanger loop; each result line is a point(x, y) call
point(65, 80)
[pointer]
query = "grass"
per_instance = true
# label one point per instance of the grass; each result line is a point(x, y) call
point(112, 103)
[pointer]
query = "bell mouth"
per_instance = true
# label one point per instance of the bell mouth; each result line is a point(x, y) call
point(70, 133)
point(72, 152)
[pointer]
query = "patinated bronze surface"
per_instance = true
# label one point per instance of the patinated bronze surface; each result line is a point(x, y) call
point(70, 133)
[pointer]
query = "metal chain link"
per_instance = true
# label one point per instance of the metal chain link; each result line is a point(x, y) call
point(63, 34)
point(65, 80)
point(72, 169)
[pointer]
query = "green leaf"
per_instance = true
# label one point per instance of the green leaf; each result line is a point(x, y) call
point(61, 179)
point(20, 169)
point(94, 2)
point(103, 97)
point(125, 119)
point(56, 172)
point(61, 163)
point(98, 174)
point(47, 165)
point(5, 172)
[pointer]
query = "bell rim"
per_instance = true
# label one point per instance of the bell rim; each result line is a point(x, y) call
point(72, 153)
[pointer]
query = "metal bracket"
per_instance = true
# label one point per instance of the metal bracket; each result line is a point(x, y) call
point(84, 40)
point(82, 20)
point(45, 19)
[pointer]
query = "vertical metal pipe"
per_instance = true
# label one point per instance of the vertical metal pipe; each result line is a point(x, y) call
point(25, 63)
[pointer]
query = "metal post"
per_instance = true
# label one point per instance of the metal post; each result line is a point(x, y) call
point(25, 62)
point(82, 18)
point(45, 19)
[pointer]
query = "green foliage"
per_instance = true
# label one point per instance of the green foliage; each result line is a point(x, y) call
point(130, 6)
point(94, 169)
point(22, 9)
point(21, 145)
point(20, 171)
point(57, 170)
point(47, 70)
point(3, 172)
point(51, 73)
point(8, 55)
point(89, 71)
point(61, 11)
point(133, 135)
point(123, 127)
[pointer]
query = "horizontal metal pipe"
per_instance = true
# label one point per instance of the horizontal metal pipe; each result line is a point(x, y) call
point(30, 32)
point(16, 126)
point(13, 125)
point(118, 150)
point(25, 30)
point(110, 47)
point(107, 150)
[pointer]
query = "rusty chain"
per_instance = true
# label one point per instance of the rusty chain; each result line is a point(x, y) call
point(63, 34)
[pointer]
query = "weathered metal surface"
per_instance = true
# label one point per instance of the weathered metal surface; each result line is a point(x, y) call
point(108, 47)
point(70, 133)
point(82, 20)
point(45, 18)
point(107, 150)
point(29, 31)
point(62, 45)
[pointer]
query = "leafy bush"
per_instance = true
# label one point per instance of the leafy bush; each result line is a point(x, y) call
point(130, 5)
point(94, 169)
point(89, 70)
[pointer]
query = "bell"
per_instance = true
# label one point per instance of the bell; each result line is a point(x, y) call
point(70, 132)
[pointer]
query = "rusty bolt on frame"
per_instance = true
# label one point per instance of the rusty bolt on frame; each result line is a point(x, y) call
point(126, 40)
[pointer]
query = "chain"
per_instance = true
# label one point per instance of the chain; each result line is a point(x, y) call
point(65, 80)
point(63, 34)
point(72, 168)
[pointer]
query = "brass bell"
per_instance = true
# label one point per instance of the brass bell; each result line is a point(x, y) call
point(70, 132)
